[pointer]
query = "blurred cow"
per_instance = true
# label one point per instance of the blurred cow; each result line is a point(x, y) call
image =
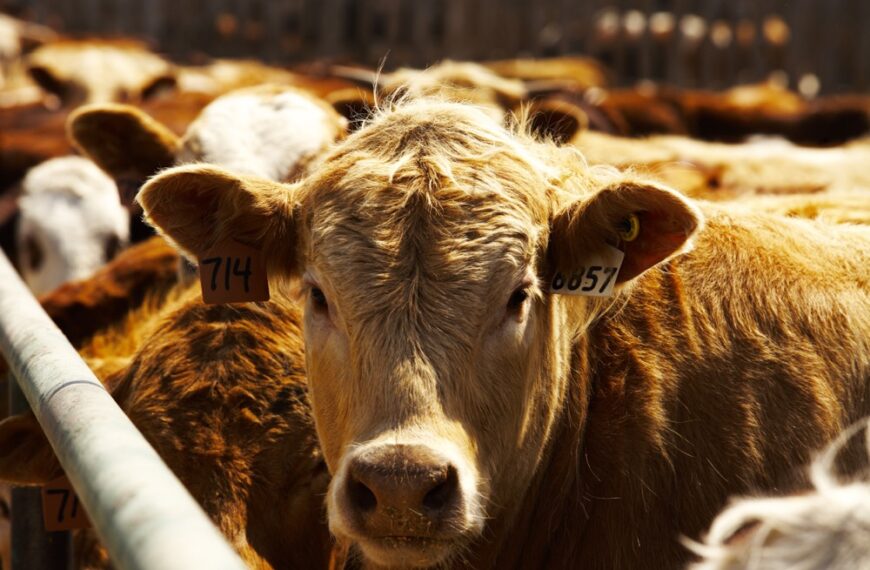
point(71, 222)
point(825, 529)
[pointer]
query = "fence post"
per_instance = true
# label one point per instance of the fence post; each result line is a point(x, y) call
point(33, 548)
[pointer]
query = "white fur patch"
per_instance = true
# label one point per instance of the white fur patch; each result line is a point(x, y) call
point(69, 208)
point(264, 134)
point(827, 529)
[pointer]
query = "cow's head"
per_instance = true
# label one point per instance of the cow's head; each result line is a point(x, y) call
point(438, 361)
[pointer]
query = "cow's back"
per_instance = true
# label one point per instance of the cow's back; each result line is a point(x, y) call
point(722, 374)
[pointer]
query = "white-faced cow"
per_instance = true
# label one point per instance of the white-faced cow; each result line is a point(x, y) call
point(71, 222)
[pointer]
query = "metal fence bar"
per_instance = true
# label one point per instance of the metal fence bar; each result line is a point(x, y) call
point(143, 514)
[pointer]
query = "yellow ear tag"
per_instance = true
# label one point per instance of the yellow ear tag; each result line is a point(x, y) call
point(630, 228)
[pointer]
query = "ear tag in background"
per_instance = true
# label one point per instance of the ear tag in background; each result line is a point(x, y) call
point(61, 509)
point(232, 272)
point(595, 278)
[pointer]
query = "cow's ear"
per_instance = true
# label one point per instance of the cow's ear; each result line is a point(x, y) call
point(122, 140)
point(26, 457)
point(648, 222)
point(199, 206)
point(555, 119)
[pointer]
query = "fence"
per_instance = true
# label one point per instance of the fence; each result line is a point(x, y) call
point(809, 44)
point(143, 514)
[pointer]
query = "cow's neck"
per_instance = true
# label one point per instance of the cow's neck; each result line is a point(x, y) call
point(554, 500)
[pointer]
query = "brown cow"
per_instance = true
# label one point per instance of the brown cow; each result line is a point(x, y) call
point(469, 414)
point(219, 391)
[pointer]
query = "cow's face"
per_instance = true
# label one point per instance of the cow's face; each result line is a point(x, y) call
point(428, 338)
point(437, 360)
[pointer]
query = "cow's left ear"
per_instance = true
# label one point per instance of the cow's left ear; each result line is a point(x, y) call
point(198, 207)
point(648, 222)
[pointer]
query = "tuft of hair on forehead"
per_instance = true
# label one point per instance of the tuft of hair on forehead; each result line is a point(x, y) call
point(447, 147)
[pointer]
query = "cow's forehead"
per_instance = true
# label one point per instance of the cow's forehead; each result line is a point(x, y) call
point(447, 164)
point(447, 201)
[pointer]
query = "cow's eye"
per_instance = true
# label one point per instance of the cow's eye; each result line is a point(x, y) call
point(518, 297)
point(111, 247)
point(34, 253)
point(318, 299)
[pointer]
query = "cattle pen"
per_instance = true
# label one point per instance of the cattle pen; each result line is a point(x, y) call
point(447, 284)
point(141, 511)
point(813, 45)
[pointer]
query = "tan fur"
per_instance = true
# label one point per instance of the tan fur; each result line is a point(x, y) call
point(581, 72)
point(99, 71)
point(768, 167)
point(123, 140)
point(621, 424)
point(128, 143)
point(457, 81)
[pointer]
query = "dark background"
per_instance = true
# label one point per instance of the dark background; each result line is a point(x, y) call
point(809, 45)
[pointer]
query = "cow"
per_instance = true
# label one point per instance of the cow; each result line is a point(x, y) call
point(269, 130)
point(825, 529)
point(469, 413)
point(71, 222)
point(458, 80)
point(34, 134)
point(569, 71)
point(240, 436)
point(100, 70)
point(719, 171)
point(729, 116)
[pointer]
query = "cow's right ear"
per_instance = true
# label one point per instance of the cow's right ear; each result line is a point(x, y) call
point(198, 207)
point(122, 140)
point(26, 457)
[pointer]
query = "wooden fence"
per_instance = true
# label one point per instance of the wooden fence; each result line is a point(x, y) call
point(810, 44)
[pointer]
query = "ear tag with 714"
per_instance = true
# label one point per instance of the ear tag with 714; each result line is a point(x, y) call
point(232, 272)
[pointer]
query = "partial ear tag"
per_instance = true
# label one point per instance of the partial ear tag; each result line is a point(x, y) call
point(61, 509)
point(232, 272)
point(594, 279)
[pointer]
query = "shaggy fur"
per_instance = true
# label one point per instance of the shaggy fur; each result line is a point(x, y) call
point(595, 431)
point(826, 529)
point(219, 391)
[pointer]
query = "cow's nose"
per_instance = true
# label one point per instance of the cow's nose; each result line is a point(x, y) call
point(397, 485)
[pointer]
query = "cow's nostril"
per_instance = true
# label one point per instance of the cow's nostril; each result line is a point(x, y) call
point(361, 496)
point(440, 496)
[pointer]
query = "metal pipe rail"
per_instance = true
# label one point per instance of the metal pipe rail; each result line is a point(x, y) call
point(144, 515)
